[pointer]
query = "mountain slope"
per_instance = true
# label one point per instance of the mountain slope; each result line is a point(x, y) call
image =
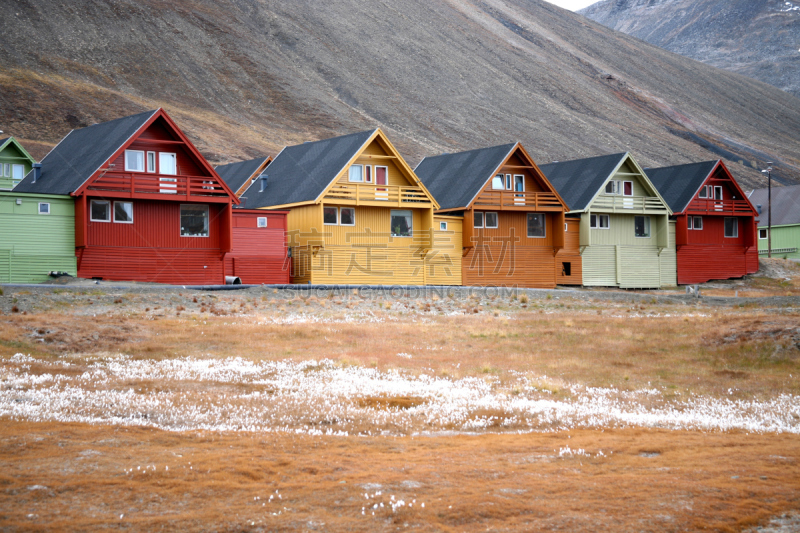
point(759, 39)
point(245, 77)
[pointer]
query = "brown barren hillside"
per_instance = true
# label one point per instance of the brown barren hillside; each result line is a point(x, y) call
point(244, 77)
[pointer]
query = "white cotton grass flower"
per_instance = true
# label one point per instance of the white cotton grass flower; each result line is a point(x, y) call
point(283, 396)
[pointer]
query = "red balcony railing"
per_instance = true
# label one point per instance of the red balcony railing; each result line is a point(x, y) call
point(728, 207)
point(134, 184)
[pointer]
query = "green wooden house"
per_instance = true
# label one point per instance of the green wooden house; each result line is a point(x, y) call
point(626, 237)
point(37, 236)
point(15, 163)
point(785, 221)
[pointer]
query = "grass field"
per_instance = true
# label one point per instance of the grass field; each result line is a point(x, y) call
point(269, 411)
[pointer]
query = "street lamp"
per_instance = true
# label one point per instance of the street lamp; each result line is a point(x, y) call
point(768, 172)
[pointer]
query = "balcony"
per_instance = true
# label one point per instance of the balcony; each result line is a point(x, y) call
point(700, 206)
point(628, 204)
point(522, 201)
point(377, 195)
point(159, 187)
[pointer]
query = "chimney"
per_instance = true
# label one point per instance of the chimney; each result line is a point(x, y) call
point(758, 208)
point(263, 180)
point(37, 172)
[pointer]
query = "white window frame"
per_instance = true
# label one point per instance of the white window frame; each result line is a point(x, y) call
point(336, 218)
point(261, 222)
point(765, 232)
point(375, 175)
point(410, 229)
point(208, 219)
point(160, 166)
point(476, 215)
point(515, 182)
point(442, 226)
point(114, 213)
point(368, 171)
point(501, 183)
point(107, 203)
point(40, 208)
point(735, 227)
point(597, 221)
point(623, 188)
point(544, 225)
point(486, 220)
point(718, 188)
point(350, 174)
point(148, 167)
point(21, 168)
point(648, 225)
point(694, 224)
point(509, 182)
point(340, 216)
point(6, 170)
point(127, 165)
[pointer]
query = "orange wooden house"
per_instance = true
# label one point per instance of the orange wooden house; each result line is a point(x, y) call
point(513, 232)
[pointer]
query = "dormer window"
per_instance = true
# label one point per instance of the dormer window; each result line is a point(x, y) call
point(134, 160)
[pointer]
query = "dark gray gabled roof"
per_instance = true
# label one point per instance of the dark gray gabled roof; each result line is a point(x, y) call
point(785, 205)
point(454, 179)
point(679, 183)
point(236, 174)
point(579, 180)
point(80, 154)
point(300, 173)
point(3, 141)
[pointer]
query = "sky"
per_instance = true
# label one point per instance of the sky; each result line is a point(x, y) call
point(572, 5)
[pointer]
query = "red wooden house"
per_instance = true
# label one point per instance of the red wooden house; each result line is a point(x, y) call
point(148, 206)
point(715, 230)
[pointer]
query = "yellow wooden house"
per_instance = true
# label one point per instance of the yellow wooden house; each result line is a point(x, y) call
point(358, 215)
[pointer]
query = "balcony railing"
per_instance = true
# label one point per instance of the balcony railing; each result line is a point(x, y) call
point(125, 184)
point(628, 204)
point(728, 207)
point(536, 201)
point(369, 194)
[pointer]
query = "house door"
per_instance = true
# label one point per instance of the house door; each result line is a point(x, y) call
point(381, 178)
point(718, 205)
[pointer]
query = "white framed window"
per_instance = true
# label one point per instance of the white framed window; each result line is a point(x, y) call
point(731, 227)
point(356, 173)
point(330, 215)
point(261, 222)
point(100, 211)
point(381, 176)
point(490, 219)
point(167, 163)
point(368, 173)
point(509, 181)
point(194, 220)
point(44, 208)
point(599, 221)
point(497, 182)
point(613, 187)
point(401, 223)
point(717, 192)
point(762, 234)
point(478, 219)
point(134, 160)
point(123, 212)
point(536, 225)
point(6, 170)
point(17, 172)
point(641, 227)
point(347, 216)
point(442, 226)
point(151, 161)
point(695, 223)
point(703, 192)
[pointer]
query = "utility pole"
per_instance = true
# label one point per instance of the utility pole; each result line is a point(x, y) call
point(768, 172)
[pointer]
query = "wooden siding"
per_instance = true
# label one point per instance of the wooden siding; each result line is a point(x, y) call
point(783, 237)
point(32, 244)
point(259, 255)
point(443, 262)
point(704, 262)
point(521, 266)
point(159, 265)
point(155, 225)
point(359, 266)
point(570, 254)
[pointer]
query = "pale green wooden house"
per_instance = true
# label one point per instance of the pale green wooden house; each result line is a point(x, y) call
point(15, 163)
point(626, 237)
point(37, 231)
point(785, 221)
